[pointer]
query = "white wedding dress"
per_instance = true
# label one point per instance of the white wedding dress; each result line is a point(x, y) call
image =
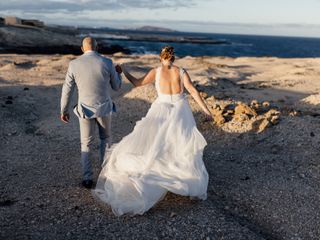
point(163, 153)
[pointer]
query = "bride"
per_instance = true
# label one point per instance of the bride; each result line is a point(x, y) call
point(164, 151)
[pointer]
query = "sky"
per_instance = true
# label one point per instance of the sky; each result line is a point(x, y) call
point(272, 17)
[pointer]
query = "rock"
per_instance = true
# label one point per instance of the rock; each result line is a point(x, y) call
point(12, 133)
point(218, 107)
point(312, 134)
point(275, 119)
point(273, 116)
point(294, 113)
point(240, 118)
point(204, 95)
point(264, 124)
point(25, 89)
point(254, 104)
point(260, 125)
point(173, 214)
point(266, 104)
point(219, 120)
point(212, 98)
point(245, 109)
point(228, 107)
point(302, 175)
point(211, 101)
point(8, 102)
point(230, 112)
point(218, 117)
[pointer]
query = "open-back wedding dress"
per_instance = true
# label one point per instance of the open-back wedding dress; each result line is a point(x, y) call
point(163, 153)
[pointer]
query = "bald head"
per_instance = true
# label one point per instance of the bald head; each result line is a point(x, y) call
point(89, 44)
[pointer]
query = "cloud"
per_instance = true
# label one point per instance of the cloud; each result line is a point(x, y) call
point(135, 13)
point(81, 5)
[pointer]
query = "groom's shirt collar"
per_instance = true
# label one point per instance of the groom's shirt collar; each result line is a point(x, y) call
point(89, 51)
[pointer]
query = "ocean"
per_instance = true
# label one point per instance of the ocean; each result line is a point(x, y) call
point(234, 46)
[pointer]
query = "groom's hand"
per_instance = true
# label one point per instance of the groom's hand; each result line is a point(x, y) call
point(118, 69)
point(65, 118)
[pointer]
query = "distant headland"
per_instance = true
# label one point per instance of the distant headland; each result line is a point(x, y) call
point(154, 29)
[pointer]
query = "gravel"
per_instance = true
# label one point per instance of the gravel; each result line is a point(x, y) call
point(262, 186)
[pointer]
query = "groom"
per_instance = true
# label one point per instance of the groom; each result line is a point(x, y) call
point(93, 75)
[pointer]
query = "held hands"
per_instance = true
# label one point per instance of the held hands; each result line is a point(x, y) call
point(65, 117)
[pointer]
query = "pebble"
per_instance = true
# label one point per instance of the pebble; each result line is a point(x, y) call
point(302, 175)
point(12, 133)
point(173, 214)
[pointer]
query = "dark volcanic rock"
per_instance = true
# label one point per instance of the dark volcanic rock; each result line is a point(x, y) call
point(47, 41)
point(60, 49)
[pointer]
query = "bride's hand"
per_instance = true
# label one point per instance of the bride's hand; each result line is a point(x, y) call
point(208, 116)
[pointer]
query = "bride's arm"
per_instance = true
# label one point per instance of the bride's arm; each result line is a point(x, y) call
point(146, 79)
point(195, 94)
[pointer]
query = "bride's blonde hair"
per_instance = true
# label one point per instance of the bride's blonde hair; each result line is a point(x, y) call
point(167, 53)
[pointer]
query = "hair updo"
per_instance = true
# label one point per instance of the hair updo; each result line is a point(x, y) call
point(167, 53)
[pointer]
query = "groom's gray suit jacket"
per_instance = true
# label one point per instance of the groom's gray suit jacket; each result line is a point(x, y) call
point(93, 75)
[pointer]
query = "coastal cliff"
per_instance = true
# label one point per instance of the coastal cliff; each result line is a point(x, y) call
point(47, 40)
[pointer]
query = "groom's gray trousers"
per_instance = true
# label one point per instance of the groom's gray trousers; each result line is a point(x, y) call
point(87, 131)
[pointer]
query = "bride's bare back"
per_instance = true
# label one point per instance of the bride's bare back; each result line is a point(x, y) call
point(169, 80)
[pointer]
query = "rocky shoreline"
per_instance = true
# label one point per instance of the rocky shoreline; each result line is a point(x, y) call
point(49, 40)
point(67, 40)
point(60, 49)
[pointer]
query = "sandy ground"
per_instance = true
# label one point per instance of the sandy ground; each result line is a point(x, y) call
point(262, 185)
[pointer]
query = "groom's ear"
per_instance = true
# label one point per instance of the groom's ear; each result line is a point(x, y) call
point(82, 49)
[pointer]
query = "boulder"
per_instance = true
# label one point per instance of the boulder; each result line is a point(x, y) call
point(245, 109)
point(254, 104)
point(271, 113)
point(218, 117)
point(204, 95)
point(240, 118)
point(260, 125)
point(266, 104)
